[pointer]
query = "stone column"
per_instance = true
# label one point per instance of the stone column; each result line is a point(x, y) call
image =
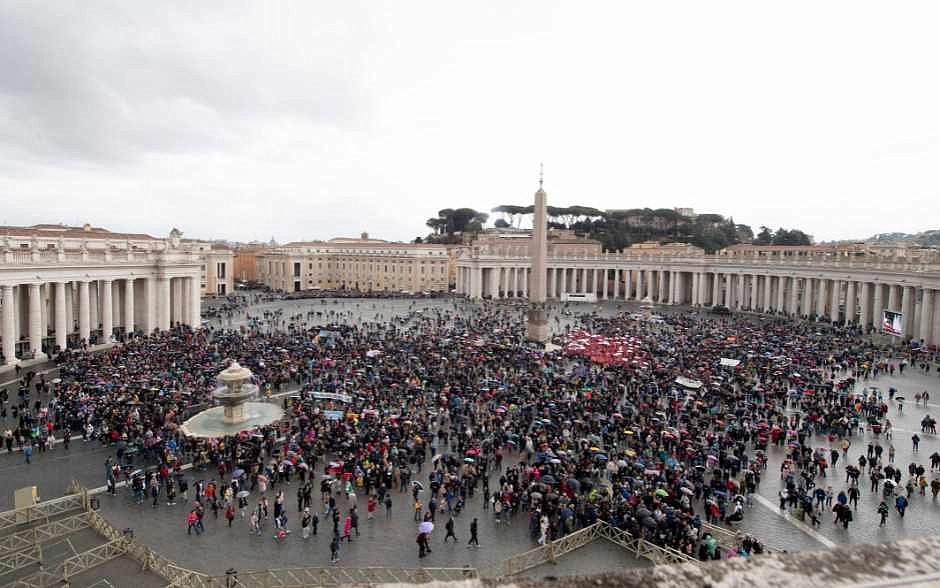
point(893, 304)
point(9, 316)
point(195, 303)
point(793, 309)
point(62, 326)
point(44, 299)
point(729, 291)
point(148, 315)
point(70, 306)
point(836, 297)
point(35, 321)
point(185, 314)
point(781, 293)
point(604, 284)
point(850, 303)
point(821, 299)
point(907, 309)
point(639, 285)
point(117, 299)
point(878, 306)
point(864, 314)
point(94, 305)
point(616, 283)
point(84, 311)
point(163, 303)
point(768, 291)
point(752, 303)
point(525, 282)
point(107, 306)
point(807, 296)
point(926, 316)
point(716, 289)
point(129, 305)
point(661, 289)
point(627, 284)
point(739, 294)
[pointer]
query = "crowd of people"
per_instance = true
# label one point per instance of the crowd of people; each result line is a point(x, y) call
point(449, 405)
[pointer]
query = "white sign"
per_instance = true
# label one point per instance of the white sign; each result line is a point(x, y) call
point(331, 396)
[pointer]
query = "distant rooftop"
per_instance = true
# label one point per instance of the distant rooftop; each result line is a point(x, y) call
point(55, 231)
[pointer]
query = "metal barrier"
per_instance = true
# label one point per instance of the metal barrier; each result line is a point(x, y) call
point(551, 550)
point(600, 530)
point(180, 577)
point(71, 567)
point(336, 576)
point(41, 511)
point(42, 533)
point(20, 559)
point(658, 554)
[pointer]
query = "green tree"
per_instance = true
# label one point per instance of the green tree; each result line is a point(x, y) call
point(764, 237)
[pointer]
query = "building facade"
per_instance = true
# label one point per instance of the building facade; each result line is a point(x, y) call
point(833, 287)
point(245, 268)
point(69, 286)
point(362, 264)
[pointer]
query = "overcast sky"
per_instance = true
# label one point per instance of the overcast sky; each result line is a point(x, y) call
point(247, 120)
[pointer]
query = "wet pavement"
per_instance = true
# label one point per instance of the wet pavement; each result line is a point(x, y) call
point(391, 541)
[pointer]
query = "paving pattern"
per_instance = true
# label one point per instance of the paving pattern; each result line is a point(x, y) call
point(390, 541)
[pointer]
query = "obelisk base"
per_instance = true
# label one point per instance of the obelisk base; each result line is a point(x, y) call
point(537, 328)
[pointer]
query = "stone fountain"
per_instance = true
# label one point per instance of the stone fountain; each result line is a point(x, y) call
point(236, 412)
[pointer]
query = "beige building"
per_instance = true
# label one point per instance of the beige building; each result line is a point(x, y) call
point(898, 251)
point(246, 262)
point(217, 272)
point(667, 249)
point(362, 263)
point(561, 242)
point(847, 284)
point(63, 286)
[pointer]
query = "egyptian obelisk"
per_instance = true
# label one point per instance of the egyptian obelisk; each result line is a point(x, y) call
point(537, 319)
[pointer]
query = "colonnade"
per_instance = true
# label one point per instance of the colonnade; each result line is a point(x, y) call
point(856, 297)
point(42, 316)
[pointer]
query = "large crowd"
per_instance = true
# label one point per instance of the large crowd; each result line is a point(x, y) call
point(656, 427)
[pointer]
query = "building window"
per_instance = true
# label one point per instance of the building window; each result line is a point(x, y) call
point(220, 272)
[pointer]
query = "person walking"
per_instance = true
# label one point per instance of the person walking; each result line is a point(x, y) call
point(192, 520)
point(334, 549)
point(354, 519)
point(347, 527)
point(305, 521)
point(900, 504)
point(449, 528)
point(230, 513)
point(883, 511)
point(474, 540)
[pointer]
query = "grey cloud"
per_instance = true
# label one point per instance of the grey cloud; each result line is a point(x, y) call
point(115, 81)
